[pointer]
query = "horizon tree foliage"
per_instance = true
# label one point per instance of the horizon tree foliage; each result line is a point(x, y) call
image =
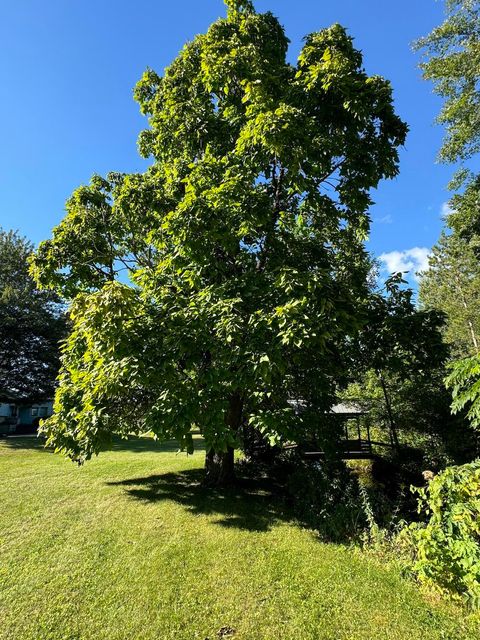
point(32, 323)
point(229, 278)
point(451, 284)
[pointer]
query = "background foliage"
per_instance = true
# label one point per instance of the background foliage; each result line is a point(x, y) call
point(32, 323)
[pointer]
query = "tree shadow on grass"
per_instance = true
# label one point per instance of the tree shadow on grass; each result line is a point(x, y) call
point(25, 442)
point(254, 504)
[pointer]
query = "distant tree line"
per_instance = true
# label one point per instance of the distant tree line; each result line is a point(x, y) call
point(32, 323)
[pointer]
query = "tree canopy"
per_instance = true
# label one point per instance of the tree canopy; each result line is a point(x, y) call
point(31, 324)
point(453, 64)
point(452, 285)
point(230, 277)
point(399, 344)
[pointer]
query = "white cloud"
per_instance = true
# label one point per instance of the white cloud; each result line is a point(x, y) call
point(445, 210)
point(413, 260)
point(388, 219)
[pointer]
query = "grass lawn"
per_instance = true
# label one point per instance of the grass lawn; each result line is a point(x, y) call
point(131, 547)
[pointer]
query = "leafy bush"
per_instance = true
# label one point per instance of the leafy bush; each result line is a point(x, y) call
point(464, 381)
point(447, 546)
point(344, 503)
point(326, 497)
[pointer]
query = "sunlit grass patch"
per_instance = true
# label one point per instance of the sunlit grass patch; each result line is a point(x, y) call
point(131, 546)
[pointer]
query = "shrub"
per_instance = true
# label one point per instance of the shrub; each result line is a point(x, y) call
point(447, 546)
point(326, 497)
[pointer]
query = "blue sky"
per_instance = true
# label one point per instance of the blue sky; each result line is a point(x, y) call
point(68, 67)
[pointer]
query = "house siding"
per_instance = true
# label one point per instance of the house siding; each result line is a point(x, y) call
point(13, 415)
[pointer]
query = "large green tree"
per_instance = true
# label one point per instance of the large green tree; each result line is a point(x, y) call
point(32, 322)
point(452, 62)
point(242, 245)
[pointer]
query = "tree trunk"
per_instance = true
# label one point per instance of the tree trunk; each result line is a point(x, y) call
point(393, 429)
point(219, 466)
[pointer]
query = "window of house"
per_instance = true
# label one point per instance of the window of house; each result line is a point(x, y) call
point(13, 410)
point(34, 411)
point(43, 411)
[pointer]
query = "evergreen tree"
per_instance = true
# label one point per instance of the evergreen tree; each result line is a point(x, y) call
point(452, 285)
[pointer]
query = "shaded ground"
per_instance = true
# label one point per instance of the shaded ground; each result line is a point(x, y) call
point(131, 547)
point(254, 505)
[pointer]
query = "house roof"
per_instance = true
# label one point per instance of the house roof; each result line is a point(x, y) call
point(350, 409)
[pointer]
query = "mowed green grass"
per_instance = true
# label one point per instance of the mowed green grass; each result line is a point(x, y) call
point(130, 546)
